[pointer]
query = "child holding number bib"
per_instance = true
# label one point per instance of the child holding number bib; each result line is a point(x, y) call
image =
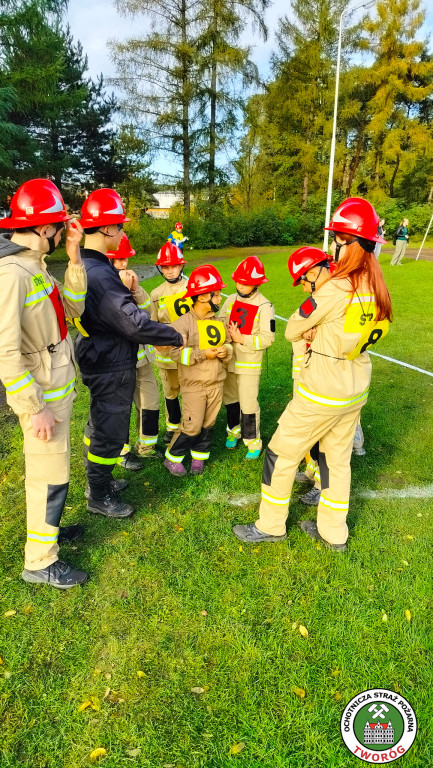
point(167, 303)
point(202, 370)
point(252, 326)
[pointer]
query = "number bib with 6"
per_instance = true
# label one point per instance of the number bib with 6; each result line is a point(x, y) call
point(211, 333)
point(176, 305)
point(360, 318)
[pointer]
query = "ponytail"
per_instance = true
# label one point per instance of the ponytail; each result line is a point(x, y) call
point(358, 266)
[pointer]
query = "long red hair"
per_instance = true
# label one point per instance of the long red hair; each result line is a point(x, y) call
point(359, 266)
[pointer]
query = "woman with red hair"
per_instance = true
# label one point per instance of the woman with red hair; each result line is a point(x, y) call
point(343, 317)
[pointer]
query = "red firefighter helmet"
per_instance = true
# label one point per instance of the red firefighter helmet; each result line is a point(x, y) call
point(205, 279)
point(356, 217)
point(250, 272)
point(178, 224)
point(169, 256)
point(124, 251)
point(102, 207)
point(36, 202)
point(304, 259)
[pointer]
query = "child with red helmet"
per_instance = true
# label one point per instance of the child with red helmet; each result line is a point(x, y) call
point(252, 327)
point(167, 303)
point(202, 370)
point(343, 318)
point(146, 394)
point(176, 237)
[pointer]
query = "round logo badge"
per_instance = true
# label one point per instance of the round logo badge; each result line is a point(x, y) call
point(378, 726)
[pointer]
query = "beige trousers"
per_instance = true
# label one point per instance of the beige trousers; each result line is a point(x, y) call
point(171, 388)
point(400, 250)
point(244, 389)
point(146, 400)
point(301, 425)
point(47, 479)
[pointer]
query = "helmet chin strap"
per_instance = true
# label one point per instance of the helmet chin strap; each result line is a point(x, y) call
point(313, 282)
point(51, 241)
point(214, 307)
point(247, 295)
point(172, 280)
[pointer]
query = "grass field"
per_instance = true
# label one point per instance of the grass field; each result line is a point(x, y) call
point(175, 603)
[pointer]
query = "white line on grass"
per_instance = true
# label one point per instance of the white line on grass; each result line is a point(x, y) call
point(376, 354)
point(411, 492)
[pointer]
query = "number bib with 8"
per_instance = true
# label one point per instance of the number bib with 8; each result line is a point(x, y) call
point(360, 319)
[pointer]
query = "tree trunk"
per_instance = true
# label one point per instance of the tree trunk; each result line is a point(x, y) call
point(355, 162)
point(377, 170)
point(392, 182)
point(305, 192)
point(186, 144)
point(212, 130)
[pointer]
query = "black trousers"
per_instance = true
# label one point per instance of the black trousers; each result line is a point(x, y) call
point(107, 429)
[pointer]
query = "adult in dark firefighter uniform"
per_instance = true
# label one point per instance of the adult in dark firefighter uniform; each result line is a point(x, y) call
point(252, 327)
point(167, 303)
point(112, 328)
point(37, 366)
point(146, 394)
point(350, 312)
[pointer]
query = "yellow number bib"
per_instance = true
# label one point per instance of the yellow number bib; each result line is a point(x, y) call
point(176, 305)
point(360, 319)
point(211, 333)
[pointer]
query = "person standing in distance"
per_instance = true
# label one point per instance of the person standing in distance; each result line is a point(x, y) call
point(37, 367)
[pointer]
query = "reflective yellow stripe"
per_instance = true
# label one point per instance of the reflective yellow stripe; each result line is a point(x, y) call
point(42, 537)
point(333, 504)
point(17, 385)
point(185, 356)
point(100, 459)
point(160, 359)
point(330, 401)
point(235, 431)
point(174, 459)
point(257, 343)
point(278, 501)
point(74, 295)
point(247, 365)
point(141, 354)
point(38, 295)
point(200, 456)
point(86, 440)
point(143, 306)
point(147, 441)
point(172, 427)
point(58, 394)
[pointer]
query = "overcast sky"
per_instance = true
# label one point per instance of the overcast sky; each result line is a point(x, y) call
point(96, 22)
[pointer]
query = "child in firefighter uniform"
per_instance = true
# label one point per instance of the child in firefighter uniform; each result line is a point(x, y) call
point(350, 312)
point(146, 394)
point(167, 303)
point(252, 327)
point(176, 237)
point(202, 370)
point(37, 366)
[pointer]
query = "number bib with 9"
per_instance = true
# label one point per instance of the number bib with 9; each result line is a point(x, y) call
point(176, 305)
point(211, 334)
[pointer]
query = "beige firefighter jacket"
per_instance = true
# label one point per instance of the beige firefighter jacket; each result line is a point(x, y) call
point(247, 357)
point(146, 353)
point(33, 376)
point(196, 372)
point(336, 369)
point(159, 313)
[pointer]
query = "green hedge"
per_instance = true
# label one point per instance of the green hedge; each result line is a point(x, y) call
point(268, 226)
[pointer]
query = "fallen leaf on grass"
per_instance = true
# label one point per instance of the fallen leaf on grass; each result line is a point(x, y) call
point(91, 703)
point(335, 672)
point(178, 527)
point(28, 609)
point(8, 614)
point(303, 630)
point(203, 613)
point(113, 697)
point(198, 690)
point(7, 675)
point(141, 674)
point(133, 752)
point(410, 537)
point(337, 696)
point(408, 615)
point(384, 616)
point(300, 692)
point(295, 625)
point(405, 562)
point(107, 675)
point(237, 748)
point(97, 753)
point(241, 549)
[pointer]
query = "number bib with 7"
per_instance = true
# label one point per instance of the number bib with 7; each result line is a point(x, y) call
point(244, 315)
point(360, 318)
point(176, 304)
point(211, 333)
